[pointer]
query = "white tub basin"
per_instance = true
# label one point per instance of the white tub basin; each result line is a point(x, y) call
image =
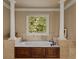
point(33, 44)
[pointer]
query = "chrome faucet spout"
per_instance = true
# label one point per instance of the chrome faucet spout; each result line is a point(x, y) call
point(52, 43)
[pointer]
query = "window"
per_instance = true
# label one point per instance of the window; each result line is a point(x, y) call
point(37, 25)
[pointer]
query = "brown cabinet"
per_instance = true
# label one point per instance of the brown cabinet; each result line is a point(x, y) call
point(53, 52)
point(22, 52)
point(37, 52)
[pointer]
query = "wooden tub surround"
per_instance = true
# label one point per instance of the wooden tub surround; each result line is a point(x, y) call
point(37, 52)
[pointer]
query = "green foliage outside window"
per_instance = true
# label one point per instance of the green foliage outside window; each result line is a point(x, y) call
point(37, 24)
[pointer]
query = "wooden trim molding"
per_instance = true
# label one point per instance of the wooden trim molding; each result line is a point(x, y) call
point(37, 9)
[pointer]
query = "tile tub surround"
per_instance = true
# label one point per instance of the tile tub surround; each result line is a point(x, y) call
point(67, 49)
point(8, 49)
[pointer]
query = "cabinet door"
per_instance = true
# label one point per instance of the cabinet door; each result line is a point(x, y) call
point(53, 52)
point(21, 52)
point(38, 52)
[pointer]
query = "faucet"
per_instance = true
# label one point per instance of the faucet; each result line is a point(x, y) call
point(52, 42)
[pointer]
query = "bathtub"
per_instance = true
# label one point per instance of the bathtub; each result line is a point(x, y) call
point(33, 44)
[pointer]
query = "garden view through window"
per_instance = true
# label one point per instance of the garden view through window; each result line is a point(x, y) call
point(37, 24)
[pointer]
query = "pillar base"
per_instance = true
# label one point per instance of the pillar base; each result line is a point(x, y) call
point(15, 38)
point(62, 38)
point(12, 38)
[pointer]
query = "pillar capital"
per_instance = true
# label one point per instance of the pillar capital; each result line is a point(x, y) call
point(62, 0)
point(12, 1)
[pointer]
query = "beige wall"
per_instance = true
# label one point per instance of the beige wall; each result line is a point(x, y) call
point(53, 24)
point(6, 20)
point(69, 46)
point(70, 22)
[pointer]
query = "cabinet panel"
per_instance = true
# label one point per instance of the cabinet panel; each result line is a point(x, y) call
point(38, 52)
point(53, 52)
point(21, 52)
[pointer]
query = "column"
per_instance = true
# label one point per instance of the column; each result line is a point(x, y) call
point(12, 19)
point(61, 30)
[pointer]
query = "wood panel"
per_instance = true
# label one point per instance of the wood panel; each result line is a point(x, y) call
point(37, 52)
point(52, 52)
point(22, 52)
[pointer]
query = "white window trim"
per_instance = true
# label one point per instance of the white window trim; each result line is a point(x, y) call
point(47, 23)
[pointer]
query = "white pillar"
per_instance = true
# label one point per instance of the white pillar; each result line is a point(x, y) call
point(12, 19)
point(61, 30)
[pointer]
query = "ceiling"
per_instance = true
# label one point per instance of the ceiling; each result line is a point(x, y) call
point(38, 3)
